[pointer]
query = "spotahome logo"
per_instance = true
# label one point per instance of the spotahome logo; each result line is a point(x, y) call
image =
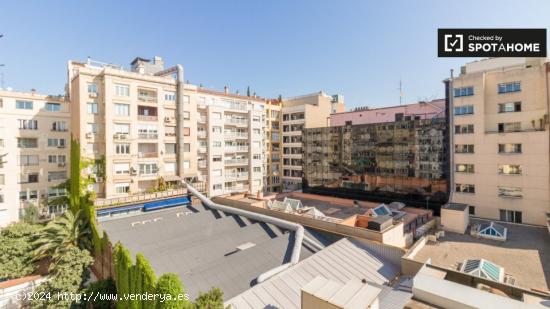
point(491, 42)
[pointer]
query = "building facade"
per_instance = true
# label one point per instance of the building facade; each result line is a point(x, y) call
point(299, 113)
point(500, 141)
point(34, 153)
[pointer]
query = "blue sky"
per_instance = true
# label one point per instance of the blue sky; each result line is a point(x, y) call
point(360, 49)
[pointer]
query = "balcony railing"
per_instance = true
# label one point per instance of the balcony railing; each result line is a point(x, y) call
point(147, 98)
point(201, 134)
point(236, 121)
point(99, 203)
point(232, 189)
point(147, 118)
point(236, 162)
point(120, 136)
point(148, 135)
point(202, 150)
point(147, 154)
point(237, 176)
point(202, 119)
point(236, 135)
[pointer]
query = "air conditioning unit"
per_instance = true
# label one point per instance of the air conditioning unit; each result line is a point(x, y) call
point(93, 94)
point(167, 119)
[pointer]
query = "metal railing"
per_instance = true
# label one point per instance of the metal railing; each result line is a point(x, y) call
point(148, 118)
point(147, 154)
point(236, 162)
point(242, 175)
point(236, 121)
point(147, 98)
point(100, 203)
point(148, 135)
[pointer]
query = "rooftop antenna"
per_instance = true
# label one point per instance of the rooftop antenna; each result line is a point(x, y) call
point(400, 91)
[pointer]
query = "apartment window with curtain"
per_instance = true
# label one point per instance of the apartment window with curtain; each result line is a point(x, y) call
point(92, 108)
point(509, 169)
point(509, 148)
point(122, 90)
point(463, 92)
point(509, 107)
point(23, 104)
point(52, 107)
point(122, 110)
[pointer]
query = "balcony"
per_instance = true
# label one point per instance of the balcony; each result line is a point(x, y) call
point(236, 121)
point(236, 176)
point(169, 134)
point(147, 118)
point(236, 135)
point(147, 154)
point(148, 136)
point(202, 119)
point(120, 136)
point(232, 189)
point(202, 164)
point(147, 96)
point(236, 162)
point(201, 134)
point(203, 150)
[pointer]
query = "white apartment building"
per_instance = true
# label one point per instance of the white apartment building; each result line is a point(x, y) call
point(34, 152)
point(298, 113)
point(501, 143)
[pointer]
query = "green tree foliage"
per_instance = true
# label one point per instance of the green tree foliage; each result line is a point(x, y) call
point(212, 299)
point(66, 277)
point(248, 91)
point(106, 287)
point(30, 215)
point(123, 267)
point(75, 184)
point(146, 280)
point(16, 259)
point(60, 235)
point(170, 283)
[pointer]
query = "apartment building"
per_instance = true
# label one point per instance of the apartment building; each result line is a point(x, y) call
point(299, 113)
point(152, 129)
point(500, 146)
point(34, 153)
point(273, 149)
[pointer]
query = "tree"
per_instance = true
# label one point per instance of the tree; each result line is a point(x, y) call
point(66, 277)
point(62, 234)
point(16, 248)
point(212, 299)
point(248, 91)
point(146, 279)
point(123, 265)
point(105, 287)
point(30, 214)
point(170, 284)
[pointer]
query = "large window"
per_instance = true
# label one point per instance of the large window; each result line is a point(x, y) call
point(509, 87)
point(28, 160)
point(464, 129)
point(92, 108)
point(56, 142)
point(170, 96)
point(509, 148)
point(510, 215)
point(170, 167)
point(464, 168)
point(28, 124)
point(148, 169)
point(509, 107)
point(463, 92)
point(122, 168)
point(122, 128)
point(465, 188)
point(122, 90)
point(122, 110)
point(510, 192)
point(509, 169)
point(464, 110)
point(52, 176)
point(170, 148)
point(464, 148)
point(122, 188)
point(25, 142)
point(53, 107)
point(23, 104)
point(122, 148)
point(509, 127)
point(59, 126)
point(92, 88)
point(91, 128)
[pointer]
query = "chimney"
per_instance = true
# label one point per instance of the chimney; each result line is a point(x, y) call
point(226, 89)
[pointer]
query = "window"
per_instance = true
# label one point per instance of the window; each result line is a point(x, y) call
point(170, 167)
point(464, 110)
point(463, 92)
point(257, 169)
point(509, 148)
point(256, 131)
point(216, 144)
point(186, 131)
point(122, 110)
point(257, 182)
point(217, 186)
point(122, 168)
point(52, 176)
point(122, 188)
point(186, 147)
point(56, 142)
point(256, 157)
point(255, 119)
point(24, 195)
point(464, 129)
point(92, 88)
point(25, 124)
point(509, 127)
point(122, 90)
point(92, 148)
point(91, 128)
point(55, 192)
point(465, 188)
point(56, 159)
point(217, 159)
point(217, 129)
point(24, 142)
point(59, 126)
point(186, 164)
point(509, 169)
point(186, 115)
point(464, 168)
point(509, 87)
point(23, 104)
point(471, 210)
point(186, 99)
point(92, 108)
point(170, 148)
point(467, 148)
point(122, 128)
point(122, 148)
point(510, 192)
point(53, 107)
point(170, 96)
point(216, 116)
point(216, 173)
point(28, 160)
point(510, 215)
point(148, 169)
point(509, 107)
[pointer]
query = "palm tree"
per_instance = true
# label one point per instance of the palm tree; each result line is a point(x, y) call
point(62, 234)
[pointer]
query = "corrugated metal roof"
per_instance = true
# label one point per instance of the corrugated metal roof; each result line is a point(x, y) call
point(340, 262)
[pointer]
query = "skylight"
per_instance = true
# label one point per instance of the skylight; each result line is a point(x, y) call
point(483, 269)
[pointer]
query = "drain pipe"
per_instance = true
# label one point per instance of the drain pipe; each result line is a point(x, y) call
point(297, 228)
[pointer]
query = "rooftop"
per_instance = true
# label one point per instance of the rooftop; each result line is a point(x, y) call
point(205, 247)
point(344, 261)
point(525, 255)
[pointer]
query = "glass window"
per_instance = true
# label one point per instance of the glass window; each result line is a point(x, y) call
point(170, 167)
point(92, 88)
point(62, 175)
point(509, 107)
point(216, 144)
point(122, 110)
point(23, 142)
point(91, 128)
point(122, 128)
point(186, 115)
point(25, 124)
point(122, 188)
point(170, 96)
point(464, 110)
point(53, 107)
point(467, 148)
point(509, 87)
point(464, 168)
point(186, 164)
point(122, 90)
point(92, 108)
point(216, 173)
point(509, 148)
point(510, 192)
point(23, 104)
point(186, 147)
point(464, 91)
point(509, 169)
point(465, 188)
point(122, 168)
point(122, 148)
point(464, 129)
point(509, 127)
point(170, 148)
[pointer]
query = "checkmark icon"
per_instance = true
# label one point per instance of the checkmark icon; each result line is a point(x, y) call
point(453, 43)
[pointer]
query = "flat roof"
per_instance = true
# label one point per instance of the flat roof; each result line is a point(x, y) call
point(525, 254)
point(201, 246)
point(341, 262)
point(330, 206)
point(455, 206)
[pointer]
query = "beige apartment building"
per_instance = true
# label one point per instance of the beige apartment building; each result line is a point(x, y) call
point(501, 143)
point(149, 127)
point(34, 153)
point(298, 113)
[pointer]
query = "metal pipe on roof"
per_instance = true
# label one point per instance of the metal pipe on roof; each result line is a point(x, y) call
point(297, 228)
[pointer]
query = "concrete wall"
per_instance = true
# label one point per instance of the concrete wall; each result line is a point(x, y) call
point(455, 220)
